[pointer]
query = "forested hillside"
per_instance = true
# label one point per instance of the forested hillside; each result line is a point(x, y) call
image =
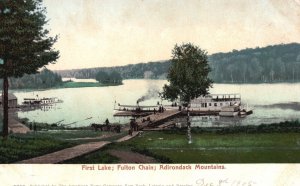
point(44, 79)
point(277, 63)
point(151, 70)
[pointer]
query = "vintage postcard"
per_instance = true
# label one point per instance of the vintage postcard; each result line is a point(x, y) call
point(149, 92)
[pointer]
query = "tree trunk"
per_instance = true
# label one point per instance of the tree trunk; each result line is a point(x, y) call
point(189, 134)
point(5, 108)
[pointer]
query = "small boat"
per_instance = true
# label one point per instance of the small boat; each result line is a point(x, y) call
point(40, 102)
point(235, 110)
point(230, 111)
point(245, 111)
point(31, 101)
point(136, 108)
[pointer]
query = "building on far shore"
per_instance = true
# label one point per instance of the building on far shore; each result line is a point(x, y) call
point(12, 101)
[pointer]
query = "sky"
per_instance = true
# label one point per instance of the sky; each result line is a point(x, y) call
point(103, 33)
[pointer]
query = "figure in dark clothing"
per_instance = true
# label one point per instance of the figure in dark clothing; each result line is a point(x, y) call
point(118, 129)
point(136, 126)
point(130, 132)
point(30, 126)
point(106, 122)
point(154, 110)
point(34, 127)
point(132, 124)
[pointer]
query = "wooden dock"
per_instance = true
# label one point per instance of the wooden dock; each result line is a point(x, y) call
point(156, 119)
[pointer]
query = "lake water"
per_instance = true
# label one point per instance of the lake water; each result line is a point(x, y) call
point(83, 106)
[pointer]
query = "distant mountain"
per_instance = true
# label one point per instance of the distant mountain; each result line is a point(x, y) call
point(276, 63)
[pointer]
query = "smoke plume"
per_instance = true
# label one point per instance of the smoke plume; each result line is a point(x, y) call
point(151, 93)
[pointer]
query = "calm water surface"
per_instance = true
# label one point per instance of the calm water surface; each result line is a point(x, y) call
point(83, 106)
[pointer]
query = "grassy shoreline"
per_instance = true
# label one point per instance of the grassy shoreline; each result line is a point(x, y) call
point(69, 85)
point(265, 143)
point(209, 148)
point(274, 143)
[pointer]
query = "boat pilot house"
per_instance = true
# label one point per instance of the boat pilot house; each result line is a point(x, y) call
point(215, 102)
point(12, 101)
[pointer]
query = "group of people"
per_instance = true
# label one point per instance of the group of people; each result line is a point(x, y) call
point(174, 104)
point(133, 126)
point(161, 109)
point(34, 127)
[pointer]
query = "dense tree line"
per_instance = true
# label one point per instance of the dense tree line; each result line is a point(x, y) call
point(277, 63)
point(151, 70)
point(44, 79)
point(109, 78)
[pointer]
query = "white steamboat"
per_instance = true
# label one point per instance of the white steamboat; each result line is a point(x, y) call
point(224, 104)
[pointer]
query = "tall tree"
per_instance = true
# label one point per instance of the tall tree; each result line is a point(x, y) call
point(102, 77)
point(187, 77)
point(25, 45)
point(115, 77)
point(188, 74)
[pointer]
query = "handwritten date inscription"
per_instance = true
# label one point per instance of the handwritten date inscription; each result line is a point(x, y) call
point(224, 182)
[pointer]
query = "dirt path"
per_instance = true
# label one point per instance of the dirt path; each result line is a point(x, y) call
point(73, 152)
point(67, 154)
point(131, 157)
point(92, 138)
point(127, 137)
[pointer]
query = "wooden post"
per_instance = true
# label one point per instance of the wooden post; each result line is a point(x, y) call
point(5, 108)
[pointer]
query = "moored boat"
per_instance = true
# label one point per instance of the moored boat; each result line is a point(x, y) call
point(40, 102)
point(230, 111)
point(215, 102)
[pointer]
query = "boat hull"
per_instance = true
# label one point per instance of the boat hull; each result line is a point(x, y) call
point(228, 114)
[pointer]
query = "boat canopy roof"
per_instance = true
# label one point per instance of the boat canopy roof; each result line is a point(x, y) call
point(136, 106)
point(219, 97)
point(236, 95)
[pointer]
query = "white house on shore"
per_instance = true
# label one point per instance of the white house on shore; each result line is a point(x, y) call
point(12, 101)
